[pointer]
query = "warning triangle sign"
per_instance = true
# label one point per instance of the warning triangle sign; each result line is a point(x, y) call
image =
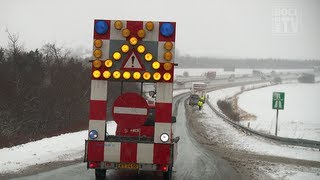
point(133, 62)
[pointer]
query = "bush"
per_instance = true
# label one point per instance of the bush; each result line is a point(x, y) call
point(306, 78)
point(186, 74)
point(227, 109)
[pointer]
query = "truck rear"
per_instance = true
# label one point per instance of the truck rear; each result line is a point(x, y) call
point(198, 90)
point(134, 56)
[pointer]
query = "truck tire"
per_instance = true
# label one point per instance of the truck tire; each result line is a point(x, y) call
point(167, 175)
point(100, 174)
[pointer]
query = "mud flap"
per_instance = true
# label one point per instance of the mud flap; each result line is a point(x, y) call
point(85, 158)
point(174, 148)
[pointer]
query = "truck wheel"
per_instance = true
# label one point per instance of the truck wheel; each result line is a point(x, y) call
point(100, 174)
point(167, 175)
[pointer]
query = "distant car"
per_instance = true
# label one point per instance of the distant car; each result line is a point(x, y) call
point(256, 73)
point(193, 100)
point(277, 80)
point(231, 77)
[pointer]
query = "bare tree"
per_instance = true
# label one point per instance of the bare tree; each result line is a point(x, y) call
point(52, 51)
point(14, 46)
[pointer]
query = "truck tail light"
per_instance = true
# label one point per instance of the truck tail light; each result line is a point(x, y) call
point(163, 168)
point(94, 164)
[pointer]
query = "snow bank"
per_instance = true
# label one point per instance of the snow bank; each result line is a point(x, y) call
point(65, 147)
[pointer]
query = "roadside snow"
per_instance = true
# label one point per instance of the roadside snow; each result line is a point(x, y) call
point(65, 147)
point(239, 140)
point(300, 117)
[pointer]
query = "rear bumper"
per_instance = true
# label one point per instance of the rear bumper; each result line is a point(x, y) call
point(146, 166)
point(140, 167)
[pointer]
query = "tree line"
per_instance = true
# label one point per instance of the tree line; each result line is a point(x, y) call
point(43, 92)
point(267, 63)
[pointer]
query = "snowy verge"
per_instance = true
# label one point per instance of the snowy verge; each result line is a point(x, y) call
point(66, 147)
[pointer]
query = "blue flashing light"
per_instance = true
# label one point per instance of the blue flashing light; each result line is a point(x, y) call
point(166, 29)
point(101, 27)
point(93, 134)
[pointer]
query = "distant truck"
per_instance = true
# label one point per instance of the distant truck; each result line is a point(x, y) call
point(210, 75)
point(306, 78)
point(198, 90)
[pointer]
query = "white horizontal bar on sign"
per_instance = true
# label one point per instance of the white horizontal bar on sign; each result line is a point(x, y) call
point(129, 110)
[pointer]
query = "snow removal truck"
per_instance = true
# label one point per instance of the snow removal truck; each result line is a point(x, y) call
point(130, 60)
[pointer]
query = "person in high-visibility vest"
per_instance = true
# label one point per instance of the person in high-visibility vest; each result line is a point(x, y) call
point(202, 99)
point(200, 104)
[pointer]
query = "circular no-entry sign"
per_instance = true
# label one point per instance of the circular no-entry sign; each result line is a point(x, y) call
point(130, 110)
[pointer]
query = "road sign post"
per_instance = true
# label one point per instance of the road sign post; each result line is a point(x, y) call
point(277, 103)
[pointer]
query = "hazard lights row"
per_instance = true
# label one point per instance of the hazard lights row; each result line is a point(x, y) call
point(97, 74)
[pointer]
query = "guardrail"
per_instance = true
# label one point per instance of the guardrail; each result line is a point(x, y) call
point(288, 141)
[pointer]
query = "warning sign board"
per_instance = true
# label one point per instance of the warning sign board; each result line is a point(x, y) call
point(130, 110)
point(133, 62)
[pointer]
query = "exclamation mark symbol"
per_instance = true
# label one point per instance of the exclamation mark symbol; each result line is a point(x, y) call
point(132, 61)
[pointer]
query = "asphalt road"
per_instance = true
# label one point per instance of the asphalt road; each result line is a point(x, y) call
point(193, 162)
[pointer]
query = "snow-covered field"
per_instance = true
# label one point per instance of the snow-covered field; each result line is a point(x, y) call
point(300, 117)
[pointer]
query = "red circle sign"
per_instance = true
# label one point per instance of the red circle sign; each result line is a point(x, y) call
point(130, 110)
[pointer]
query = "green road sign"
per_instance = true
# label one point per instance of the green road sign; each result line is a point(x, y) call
point(278, 100)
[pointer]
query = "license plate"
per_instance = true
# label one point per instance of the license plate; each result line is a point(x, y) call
point(128, 166)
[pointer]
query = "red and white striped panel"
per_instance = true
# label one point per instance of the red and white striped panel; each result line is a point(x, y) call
point(129, 152)
point(164, 92)
point(163, 121)
point(98, 103)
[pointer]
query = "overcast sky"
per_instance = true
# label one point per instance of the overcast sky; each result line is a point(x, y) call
point(224, 28)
